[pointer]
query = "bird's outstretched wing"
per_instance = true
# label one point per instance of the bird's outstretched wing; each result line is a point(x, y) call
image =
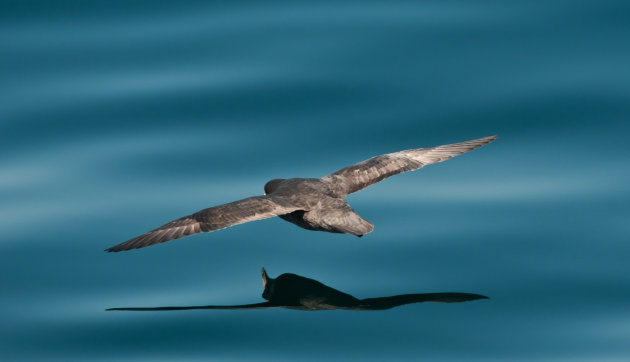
point(363, 174)
point(214, 218)
point(398, 300)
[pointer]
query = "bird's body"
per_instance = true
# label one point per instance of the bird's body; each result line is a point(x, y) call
point(310, 203)
point(321, 206)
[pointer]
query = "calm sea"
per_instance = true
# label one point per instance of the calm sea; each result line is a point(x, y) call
point(118, 116)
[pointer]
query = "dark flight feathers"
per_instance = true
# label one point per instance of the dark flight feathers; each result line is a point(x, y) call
point(214, 218)
point(375, 169)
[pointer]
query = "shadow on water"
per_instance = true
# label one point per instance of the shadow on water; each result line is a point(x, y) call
point(296, 292)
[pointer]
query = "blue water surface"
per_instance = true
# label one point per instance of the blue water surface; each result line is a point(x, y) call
point(118, 116)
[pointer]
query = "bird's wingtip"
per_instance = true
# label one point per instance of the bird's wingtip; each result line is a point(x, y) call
point(121, 247)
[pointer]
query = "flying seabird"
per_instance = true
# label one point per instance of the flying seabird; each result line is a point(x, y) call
point(311, 203)
point(296, 292)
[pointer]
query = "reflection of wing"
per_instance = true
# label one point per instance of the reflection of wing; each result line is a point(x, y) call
point(363, 304)
point(398, 300)
point(368, 172)
point(243, 306)
point(214, 218)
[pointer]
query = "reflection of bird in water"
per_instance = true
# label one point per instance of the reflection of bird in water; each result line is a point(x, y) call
point(296, 292)
point(310, 203)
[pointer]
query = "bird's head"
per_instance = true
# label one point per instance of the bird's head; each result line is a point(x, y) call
point(268, 284)
point(272, 185)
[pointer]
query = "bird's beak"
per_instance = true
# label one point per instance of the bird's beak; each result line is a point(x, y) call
point(264, 277)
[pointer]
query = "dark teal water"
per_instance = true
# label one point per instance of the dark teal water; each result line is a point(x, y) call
point(118, 116)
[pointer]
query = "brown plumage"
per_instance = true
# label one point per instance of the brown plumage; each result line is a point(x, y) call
point(311, 203)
